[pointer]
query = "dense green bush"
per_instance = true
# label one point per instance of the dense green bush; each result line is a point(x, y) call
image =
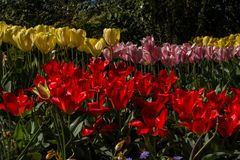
point(168, 21)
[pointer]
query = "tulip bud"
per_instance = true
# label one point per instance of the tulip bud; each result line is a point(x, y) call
point(42, 91)
point(119, 145)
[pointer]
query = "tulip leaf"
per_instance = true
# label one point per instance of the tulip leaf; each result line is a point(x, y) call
point(34, 156)
point(8, 86)
point(76, 126)
point(18, 133)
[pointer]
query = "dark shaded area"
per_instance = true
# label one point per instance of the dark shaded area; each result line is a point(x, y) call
point(172, 21)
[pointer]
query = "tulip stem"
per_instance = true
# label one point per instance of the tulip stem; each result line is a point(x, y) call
point(195, 145)
point(210, 140)
point(60, 134)
point(32, 139)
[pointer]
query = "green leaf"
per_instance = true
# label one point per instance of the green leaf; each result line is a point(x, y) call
point(18, 133)
point(8, 86)
point(76, 126)
point(34, 156)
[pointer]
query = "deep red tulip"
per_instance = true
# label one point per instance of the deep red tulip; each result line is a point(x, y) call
point(99, 126)
point(98, 108)
point(154, 115)
point(120, 93)
point(144, 83)
point(16, 105)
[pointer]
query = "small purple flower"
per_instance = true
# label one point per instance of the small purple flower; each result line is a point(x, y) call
point(177, 158)
point(144, 155)
point(129, 158)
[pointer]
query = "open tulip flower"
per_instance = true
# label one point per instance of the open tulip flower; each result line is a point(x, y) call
point(93, 46)
point(9, 32)
point(16, 105)
point(24, 39)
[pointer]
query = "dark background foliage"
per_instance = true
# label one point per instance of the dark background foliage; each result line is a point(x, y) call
point(172, 21)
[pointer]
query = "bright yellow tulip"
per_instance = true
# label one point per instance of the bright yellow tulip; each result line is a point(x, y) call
point(76, 37)
point(111, 36)
point(44, 28)
point(93, 46)
point(45, 42)
point(8, 33)
point(237, 41)
point(24, 39)
point(62, 36)
point(221, 43)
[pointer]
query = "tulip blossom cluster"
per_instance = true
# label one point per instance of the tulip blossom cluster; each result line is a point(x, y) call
point(228, 41)
point(45, 38)
point(107, 88)
point(168, 54)
point(16, 105)
point(68, 87)
point(200, 112)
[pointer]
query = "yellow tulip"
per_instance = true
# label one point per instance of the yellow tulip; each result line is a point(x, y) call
point(208, 41)
point(45, 42)
point(197, 40)
point(72, 38)
point(44, 28)
point(8, 33)
point(3, 27)
point(93, 46)
point(24, 39)
point(221, 43)
point(76, 37)
point(111, 36)
point(63, 37)
point(237, 41)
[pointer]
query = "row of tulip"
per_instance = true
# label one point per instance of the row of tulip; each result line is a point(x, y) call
point(46, 37)
point(168, 54)
point(68, 87)
point(112, 98)
point(233, 40)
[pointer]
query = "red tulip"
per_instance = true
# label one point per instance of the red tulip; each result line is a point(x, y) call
point(98, 108)
point(154, 115)
point(144, 83)
point(100, 127)
point(16, 105)
point(120, 93)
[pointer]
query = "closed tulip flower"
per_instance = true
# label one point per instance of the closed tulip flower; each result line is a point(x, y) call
point(24, 39)
point(63, 37)
point(76, 37)
point(45, 42)
point(111, 36)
